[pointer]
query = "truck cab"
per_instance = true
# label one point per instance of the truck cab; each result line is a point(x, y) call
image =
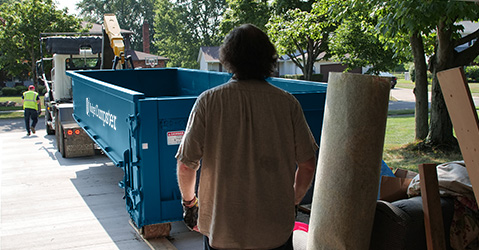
point(68, 53)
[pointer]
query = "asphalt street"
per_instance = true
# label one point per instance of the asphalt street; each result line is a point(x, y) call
point(405, 99)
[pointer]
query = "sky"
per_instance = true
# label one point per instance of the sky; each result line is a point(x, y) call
point(70, 4)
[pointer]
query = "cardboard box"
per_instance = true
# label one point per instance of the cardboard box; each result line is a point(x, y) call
point(395, 188)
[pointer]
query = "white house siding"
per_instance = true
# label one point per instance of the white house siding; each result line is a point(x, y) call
point(203, 63)
point(214, 66)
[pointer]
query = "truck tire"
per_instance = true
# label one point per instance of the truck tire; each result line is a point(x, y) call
point(48, 118)
point(61, 143)
point(59, 137)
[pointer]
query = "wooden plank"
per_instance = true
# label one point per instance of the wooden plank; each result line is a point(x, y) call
point(160, 242)
point(464, 119)
point(431, 203)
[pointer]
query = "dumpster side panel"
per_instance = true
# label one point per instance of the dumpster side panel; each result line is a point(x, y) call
point(313, 109)
point(298, 86)
point(147, 113)
point(150, 82)
point(103, 110)
point(161, 134)
point(193, 82)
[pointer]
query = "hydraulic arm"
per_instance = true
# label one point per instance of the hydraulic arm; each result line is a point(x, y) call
point(112, 29)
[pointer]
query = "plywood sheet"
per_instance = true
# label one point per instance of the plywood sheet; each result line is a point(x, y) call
point(464, 119)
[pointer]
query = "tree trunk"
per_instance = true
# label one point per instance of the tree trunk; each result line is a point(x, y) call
point(440, 131)
point(309, 63)
point(420, 90)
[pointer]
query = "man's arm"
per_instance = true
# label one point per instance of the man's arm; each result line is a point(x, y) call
point(303, 179)
point(186, 181)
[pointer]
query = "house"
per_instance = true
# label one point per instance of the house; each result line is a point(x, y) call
point(146, 60)
point(469, 28)
point(286, 66)
point(208, 58)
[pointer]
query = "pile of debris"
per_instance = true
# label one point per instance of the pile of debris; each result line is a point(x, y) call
point(8, 104)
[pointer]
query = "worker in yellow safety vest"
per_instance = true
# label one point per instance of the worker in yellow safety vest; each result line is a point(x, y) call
point(32, 108)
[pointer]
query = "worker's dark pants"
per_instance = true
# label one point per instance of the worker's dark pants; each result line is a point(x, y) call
point(287, 246)
point(30, 114)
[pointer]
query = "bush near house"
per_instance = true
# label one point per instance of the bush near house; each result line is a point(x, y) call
point(472, 73)
point(18, 91)
point(8, 91)
point(21, 89)
point(314, 77)
point(412, 73)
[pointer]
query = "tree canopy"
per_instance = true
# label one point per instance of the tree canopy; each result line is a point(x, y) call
point(302, 35)
point(19, 35)
point(357, 42)
point(131, 15)
point(183, 26)
point(420, 19)
point(245, 11)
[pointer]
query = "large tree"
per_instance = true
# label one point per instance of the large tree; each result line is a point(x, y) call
point(131, 15)
point(22, 23)
point(255, 12)
point(441, 18)
point(357, 44)
point(183, 26)
point(282, 6)
point(412, 19)
point(303, 36)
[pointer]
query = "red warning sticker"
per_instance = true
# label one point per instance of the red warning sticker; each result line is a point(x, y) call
point(174, 137)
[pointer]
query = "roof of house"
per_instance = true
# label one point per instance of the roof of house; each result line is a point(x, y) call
point(140, 56)
point(98, 29)
point(211, 54)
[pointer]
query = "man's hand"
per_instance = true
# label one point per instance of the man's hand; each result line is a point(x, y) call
point(190, 214)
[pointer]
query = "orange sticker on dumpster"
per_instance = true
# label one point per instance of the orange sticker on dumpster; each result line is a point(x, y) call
point(174, 137)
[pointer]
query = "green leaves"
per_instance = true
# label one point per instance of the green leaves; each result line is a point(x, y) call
point(302, 35)
point(182, 26)
point(24, 21)
point(255, 12)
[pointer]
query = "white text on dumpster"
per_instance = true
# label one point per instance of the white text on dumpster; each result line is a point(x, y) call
point(106, 117)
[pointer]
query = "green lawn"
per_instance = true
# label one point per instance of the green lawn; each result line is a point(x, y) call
point(399, 139)
point(18, 106)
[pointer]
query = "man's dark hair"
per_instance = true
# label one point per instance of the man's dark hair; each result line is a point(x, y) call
point(248, 53)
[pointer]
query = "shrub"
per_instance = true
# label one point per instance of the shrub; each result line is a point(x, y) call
point(41, 90)
point(7, 91)
point(314, 77)
point(317, 77)
point(412, 73)
point(21, 89)
point(297, 77)
point(472, 73)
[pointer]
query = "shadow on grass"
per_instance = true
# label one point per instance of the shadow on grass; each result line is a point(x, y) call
point(410, 156)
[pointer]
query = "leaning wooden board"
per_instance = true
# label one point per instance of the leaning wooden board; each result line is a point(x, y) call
point(463, 115)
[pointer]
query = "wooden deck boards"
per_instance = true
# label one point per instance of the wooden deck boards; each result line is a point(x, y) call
point(52, 203)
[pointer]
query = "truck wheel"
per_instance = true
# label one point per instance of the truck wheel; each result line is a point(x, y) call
point(61, 142)
point(48, 118)
point(59, 137)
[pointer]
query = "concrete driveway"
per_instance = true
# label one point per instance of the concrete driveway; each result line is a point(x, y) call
point(49, 202)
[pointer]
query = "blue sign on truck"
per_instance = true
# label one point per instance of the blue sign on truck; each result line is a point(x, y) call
point(138, 118)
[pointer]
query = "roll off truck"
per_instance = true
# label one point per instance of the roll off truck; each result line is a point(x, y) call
point(75, 51)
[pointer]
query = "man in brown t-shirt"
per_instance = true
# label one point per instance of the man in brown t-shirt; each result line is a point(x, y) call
point(257, 153)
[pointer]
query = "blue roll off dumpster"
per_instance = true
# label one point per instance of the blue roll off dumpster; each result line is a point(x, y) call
point(138, 118)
